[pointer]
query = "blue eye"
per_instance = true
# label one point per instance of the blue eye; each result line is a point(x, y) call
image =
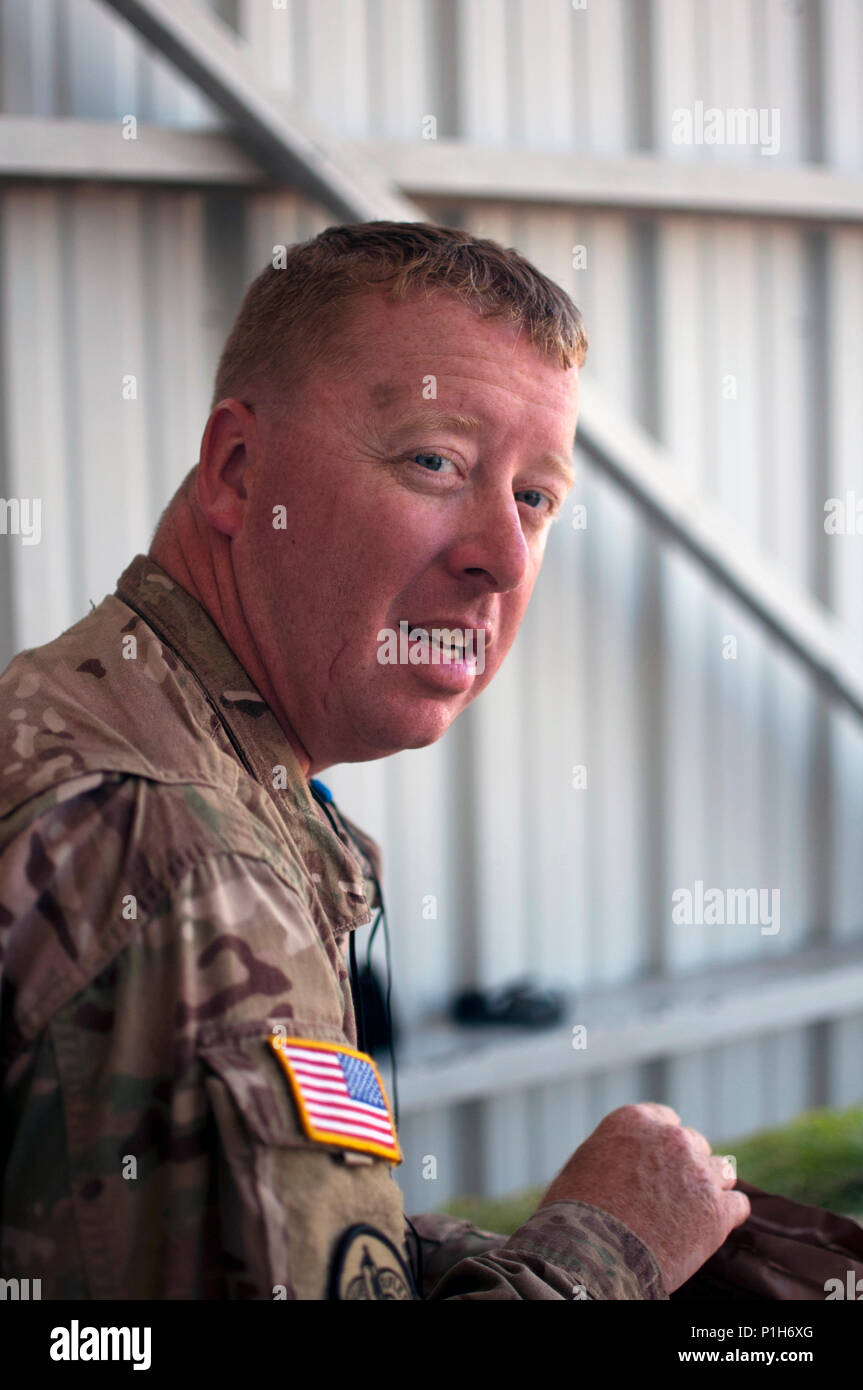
point(540, 496)
point(439, 457)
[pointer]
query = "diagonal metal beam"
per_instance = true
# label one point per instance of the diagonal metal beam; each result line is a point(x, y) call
point(288, 142)
point(644, 470)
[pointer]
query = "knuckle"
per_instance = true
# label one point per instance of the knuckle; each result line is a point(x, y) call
point(676, 1140)
point(645, 1112)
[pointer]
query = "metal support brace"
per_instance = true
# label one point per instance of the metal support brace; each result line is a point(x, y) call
point(288, 143)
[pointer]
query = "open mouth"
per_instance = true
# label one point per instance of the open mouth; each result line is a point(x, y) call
point(453, 649)
point(453, 644)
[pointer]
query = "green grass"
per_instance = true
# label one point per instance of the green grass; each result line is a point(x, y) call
point(817, 1158)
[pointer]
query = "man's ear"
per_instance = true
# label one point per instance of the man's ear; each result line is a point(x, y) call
point(228, 448)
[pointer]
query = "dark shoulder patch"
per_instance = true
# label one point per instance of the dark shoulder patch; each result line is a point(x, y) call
point(366, 1264)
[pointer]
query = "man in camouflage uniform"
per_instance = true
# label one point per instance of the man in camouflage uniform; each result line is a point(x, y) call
point(174, 902)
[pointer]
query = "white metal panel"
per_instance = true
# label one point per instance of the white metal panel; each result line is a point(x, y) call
point(844, 408)
point(846, 1082)
point(613, 579)
point(727, 71)
point(28, 44)
point(77, 58)
point(26, 58)
point(87, 50)
point(620, 1086)
point(684, 364)
point(676, 85)
point(178, 373)
point(484, 49)
point(616, 906)
point(788, 713)
point(105, 261)
point(562, 1123)
point(687, 1080)
point(405, 78)
point(307, 51)
point(608, 71)
point(164, 95)
point(842, 29)
point(432, 1173)
point(272, 31)
point(41, 460)
point(682, 342)
point(423, 790)
point(731, 858)
point(546, 38)
point(688, 808)
point(784, 404)
point(112, 294)
point(781, 1062)
point(845, 415)
point(770, 1075)
point(781, 76)
point(782, 463)
point(736, 674)
point(334, 65)
point(846, 858)
point(507, 1141)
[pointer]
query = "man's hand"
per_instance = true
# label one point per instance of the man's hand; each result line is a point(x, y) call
point(661, 1180)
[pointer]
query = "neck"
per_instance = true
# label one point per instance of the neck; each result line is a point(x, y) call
point(198, 558)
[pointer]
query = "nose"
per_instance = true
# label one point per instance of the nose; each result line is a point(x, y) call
point(491, 542)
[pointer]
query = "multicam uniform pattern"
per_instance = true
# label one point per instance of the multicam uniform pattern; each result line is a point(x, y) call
point(170, 894)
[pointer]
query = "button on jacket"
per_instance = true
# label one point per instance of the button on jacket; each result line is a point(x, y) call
point(170, 896)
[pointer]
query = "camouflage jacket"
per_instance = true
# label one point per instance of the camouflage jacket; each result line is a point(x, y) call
point(171, 895)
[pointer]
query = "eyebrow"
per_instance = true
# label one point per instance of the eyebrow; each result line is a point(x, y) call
point(429, 418)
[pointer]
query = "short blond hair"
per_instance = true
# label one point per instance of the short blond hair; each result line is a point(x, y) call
point(294, 315)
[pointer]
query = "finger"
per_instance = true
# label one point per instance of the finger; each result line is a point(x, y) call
point(724, 1170)
point(739, 1208)
point(698, 1141)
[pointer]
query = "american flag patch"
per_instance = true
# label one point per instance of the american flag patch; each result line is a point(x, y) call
point(339, 1095)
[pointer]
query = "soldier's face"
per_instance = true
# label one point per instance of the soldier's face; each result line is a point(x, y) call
point(394, 511)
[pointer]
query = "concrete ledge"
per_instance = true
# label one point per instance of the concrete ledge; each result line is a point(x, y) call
point(445, 1064)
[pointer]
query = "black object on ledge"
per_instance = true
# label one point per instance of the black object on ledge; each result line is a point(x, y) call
point(522, 1003)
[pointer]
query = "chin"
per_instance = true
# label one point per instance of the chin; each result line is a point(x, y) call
point(396, 730)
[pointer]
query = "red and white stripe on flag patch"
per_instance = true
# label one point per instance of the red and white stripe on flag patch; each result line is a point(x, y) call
point(339, 1094)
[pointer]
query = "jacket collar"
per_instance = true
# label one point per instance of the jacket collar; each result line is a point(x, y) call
point(256, 735)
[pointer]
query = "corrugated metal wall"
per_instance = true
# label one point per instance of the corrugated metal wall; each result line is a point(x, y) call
point(737, 343)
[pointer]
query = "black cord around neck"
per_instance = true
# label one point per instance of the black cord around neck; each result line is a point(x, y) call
point(361, 1037)
point(358, 993)
point(323, 802)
